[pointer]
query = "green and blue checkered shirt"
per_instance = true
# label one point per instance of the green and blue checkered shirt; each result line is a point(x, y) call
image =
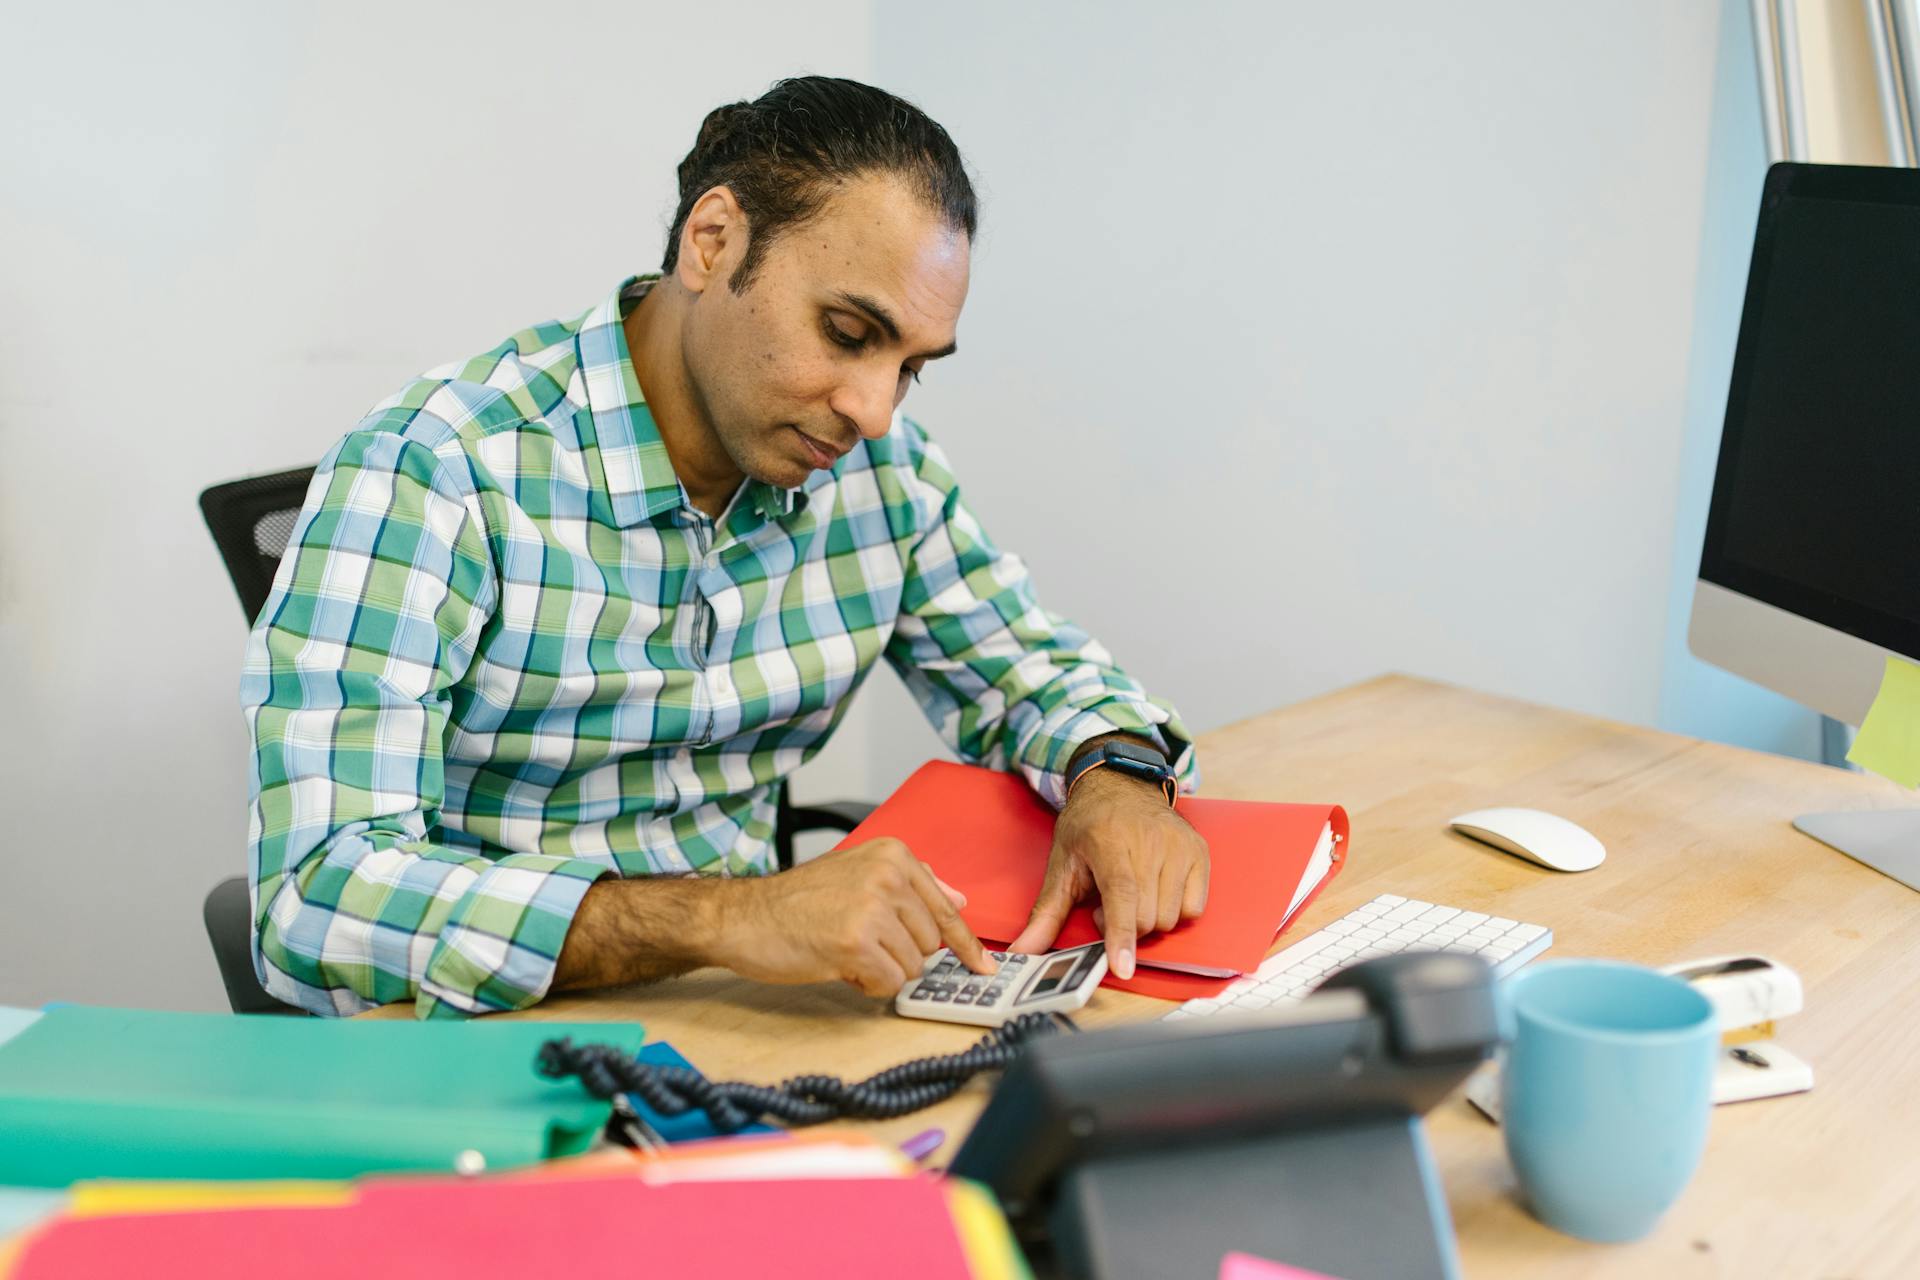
point(505, 656)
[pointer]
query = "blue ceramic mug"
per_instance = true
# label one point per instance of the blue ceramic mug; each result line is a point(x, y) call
point(1606, 1092)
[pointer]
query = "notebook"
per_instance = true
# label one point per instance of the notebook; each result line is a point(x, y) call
point(986, 834)
point(140, 1093)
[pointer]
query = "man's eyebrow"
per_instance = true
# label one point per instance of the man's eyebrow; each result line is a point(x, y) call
point(877, 313)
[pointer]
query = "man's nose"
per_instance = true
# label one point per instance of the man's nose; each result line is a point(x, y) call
point(867, 400)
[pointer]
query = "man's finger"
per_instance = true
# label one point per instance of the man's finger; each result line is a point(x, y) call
point(1146, 908)
point(897, 941)
point(1049, 913)
point(933, 896)
point(1121, 900)
point(879, 974)
point(958, 898)
point(1194, 901)
point(1173, 879)
point(920, 922)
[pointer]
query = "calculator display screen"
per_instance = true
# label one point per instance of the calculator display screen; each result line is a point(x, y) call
point(1055, 976)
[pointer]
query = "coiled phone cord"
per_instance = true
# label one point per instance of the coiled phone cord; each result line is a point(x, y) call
point(608, 1071)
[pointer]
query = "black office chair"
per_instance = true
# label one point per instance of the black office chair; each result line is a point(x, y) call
point(251, 521)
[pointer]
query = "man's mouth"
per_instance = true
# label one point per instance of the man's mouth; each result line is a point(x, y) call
point(821, 455)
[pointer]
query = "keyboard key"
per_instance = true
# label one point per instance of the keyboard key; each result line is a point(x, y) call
point(1387, 925)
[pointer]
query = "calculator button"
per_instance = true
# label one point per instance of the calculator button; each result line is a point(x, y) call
point(963, 997)
point(1018, 957)
point(943, 996)
point(997, 956)
point(994, 994)
point(920, 993)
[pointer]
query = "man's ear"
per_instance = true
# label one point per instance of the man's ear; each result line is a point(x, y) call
point(713, 241)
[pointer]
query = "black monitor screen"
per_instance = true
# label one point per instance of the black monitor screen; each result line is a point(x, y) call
point(1816, 503)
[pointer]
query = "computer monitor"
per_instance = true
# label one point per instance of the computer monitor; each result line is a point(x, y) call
point(1810, 572)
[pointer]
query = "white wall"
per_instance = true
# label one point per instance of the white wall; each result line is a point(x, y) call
point(1309, 341)
point(1306, 342)
point(228, 229)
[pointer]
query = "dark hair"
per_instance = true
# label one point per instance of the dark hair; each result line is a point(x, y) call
point(783, 154)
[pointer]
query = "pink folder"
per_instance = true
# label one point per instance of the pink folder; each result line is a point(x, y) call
point(827, 1229)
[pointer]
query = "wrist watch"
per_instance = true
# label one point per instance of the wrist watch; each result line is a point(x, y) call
point(1135, 759)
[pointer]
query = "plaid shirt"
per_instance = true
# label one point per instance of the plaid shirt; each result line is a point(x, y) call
point(505, 656)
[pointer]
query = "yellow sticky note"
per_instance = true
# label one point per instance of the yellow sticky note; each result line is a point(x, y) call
point(103, 1198)
point(1889, 739)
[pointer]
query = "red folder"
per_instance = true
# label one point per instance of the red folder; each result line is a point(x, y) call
point(986, 834)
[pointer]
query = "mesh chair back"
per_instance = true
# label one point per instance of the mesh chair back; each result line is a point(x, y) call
point(251, 521)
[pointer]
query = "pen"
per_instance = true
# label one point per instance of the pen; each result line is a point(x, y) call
point(923, 1144)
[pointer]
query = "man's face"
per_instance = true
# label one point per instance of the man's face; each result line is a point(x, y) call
point(820, 348)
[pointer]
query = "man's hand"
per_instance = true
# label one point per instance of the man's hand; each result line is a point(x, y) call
point(1118, 838)
point(869, 915)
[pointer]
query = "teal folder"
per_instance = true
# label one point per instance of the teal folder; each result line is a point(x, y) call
point(136, 1093)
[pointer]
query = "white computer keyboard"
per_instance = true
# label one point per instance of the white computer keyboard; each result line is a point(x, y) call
point(1387, 925)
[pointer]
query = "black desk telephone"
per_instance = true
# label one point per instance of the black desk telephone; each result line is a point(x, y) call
point(1150, 1150)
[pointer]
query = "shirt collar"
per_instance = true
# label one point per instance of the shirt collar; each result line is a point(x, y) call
point(640, 478)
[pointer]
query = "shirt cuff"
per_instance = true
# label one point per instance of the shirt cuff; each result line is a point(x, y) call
point(1043, 759)
point(501, 942)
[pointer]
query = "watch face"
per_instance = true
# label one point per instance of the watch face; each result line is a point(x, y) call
point(1136, 759)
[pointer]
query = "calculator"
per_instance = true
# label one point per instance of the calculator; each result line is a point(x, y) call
point(948, 991)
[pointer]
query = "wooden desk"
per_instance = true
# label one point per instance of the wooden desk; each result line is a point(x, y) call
point(1701, 860)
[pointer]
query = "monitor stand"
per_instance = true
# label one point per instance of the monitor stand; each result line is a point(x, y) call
point(1888, 840)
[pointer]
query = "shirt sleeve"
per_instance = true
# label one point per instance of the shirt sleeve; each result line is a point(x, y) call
point(359, 897)
point(1006, 683)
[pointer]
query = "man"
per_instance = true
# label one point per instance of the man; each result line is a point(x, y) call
point(556, 621)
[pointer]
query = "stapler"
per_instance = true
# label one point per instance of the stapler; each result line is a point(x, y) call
point(1750, 994)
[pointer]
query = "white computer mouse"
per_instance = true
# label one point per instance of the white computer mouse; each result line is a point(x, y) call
point(1545, 838)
